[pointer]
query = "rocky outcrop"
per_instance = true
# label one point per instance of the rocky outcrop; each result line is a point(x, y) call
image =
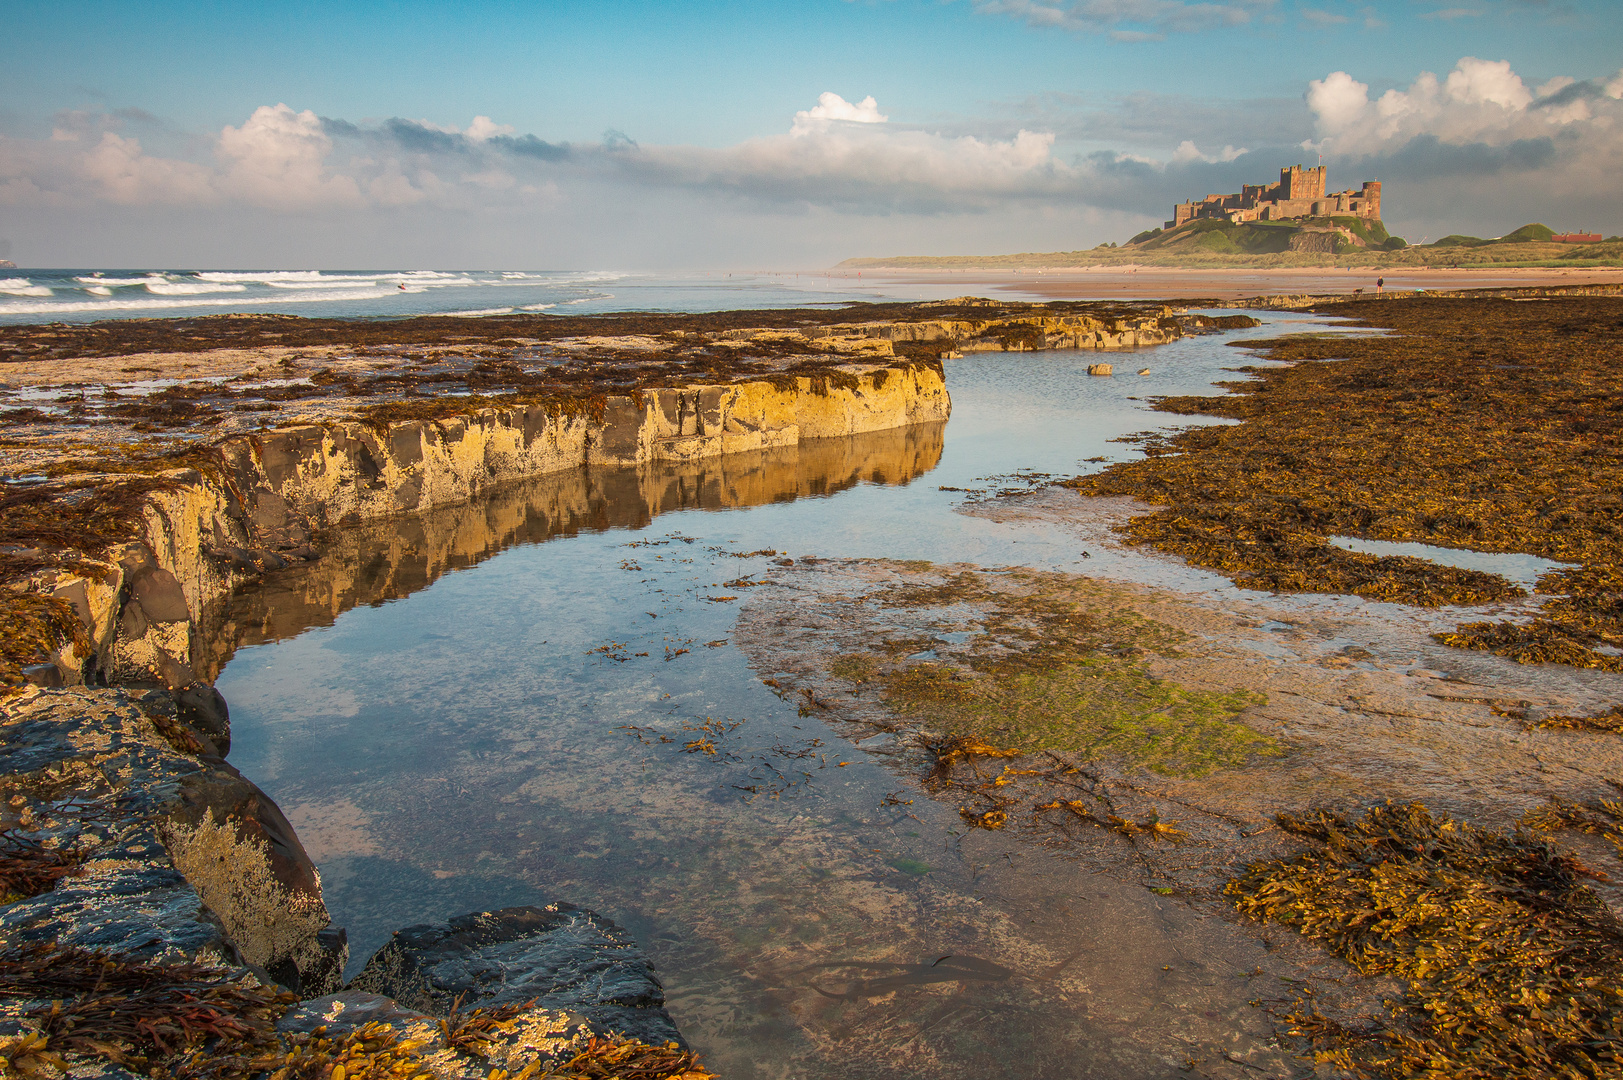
point(208, 530)
point(1002, 331)
point(568, 961)
point(182, 857)
point(179, 858)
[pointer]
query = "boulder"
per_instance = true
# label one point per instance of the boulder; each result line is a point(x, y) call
point(570, 961)
point(186, 858)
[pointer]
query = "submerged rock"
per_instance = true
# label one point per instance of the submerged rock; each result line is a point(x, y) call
point(568, 960)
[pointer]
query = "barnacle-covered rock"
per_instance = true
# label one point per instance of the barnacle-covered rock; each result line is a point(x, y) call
point(178, 856)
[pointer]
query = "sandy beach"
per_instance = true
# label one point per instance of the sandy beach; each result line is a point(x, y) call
point(1142, 283)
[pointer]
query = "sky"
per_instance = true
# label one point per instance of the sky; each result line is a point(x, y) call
point(777, 135)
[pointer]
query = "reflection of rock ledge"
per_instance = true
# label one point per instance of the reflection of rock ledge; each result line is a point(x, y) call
point(388, 560)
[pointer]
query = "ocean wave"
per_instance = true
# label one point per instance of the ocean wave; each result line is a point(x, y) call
point(131, 304)
point(113, 281)
point(537, 307)
point(326, 283)
point(475, 314)
point(98, 290)
point(18, 286)
point(190, 288)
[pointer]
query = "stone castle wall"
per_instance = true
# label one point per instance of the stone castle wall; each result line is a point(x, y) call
point(1300, 192)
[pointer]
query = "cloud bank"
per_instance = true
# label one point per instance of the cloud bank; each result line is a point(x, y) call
point(1472, 150)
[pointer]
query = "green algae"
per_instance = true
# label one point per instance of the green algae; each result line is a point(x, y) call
point(1054, 664)
point(1099, 708)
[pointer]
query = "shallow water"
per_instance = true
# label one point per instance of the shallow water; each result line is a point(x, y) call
point(1524, 570)
point(537, 698)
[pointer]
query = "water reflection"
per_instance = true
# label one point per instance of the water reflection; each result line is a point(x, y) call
point(390, 560)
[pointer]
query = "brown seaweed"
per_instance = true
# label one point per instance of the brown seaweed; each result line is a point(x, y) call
point(1478, 423)
point(1513, 966)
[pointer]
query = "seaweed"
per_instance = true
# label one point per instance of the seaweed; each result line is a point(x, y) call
point(1513, 966)
point(1611, 720)
point(31, 627)
point(131, 1013)
point(199, 1022)
point(1479, 423)
point(29, 868)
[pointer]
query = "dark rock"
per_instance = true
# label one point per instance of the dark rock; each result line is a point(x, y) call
point(225, 793)
point(321, 975)
point(567, 958)
point(132, 622)
point(43, 675)
point(270, 510)
point(126, 902)
point(198, 860)
point(200, 706)
point(350, 1010)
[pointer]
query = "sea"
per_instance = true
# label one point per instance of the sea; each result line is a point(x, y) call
point(84, 295)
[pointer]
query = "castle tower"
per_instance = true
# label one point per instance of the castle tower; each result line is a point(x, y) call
point(1372, 199)
point(1299, 183)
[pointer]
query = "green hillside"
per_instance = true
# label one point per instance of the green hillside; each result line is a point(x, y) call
point(1305, 242)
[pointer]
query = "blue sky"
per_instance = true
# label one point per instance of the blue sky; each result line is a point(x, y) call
point(665, 135)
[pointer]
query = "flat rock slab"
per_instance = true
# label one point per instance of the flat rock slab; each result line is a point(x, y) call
point(564, 958)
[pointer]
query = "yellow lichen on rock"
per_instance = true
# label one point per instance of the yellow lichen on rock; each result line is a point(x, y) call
point(235, 879)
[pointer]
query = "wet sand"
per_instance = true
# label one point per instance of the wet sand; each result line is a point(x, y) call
point(1156, 282)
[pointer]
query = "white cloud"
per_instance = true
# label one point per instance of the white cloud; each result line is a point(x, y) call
point(1320, 17)
point(1479, 101)
point(483, 127)
point(832, 107)
point(121, 173)
point(1187, 152)
point(842, 153)
point(278, 159)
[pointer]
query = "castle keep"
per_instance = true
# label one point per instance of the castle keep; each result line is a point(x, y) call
point(1299, 193)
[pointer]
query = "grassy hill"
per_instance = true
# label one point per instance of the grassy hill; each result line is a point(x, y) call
point(1309, 242)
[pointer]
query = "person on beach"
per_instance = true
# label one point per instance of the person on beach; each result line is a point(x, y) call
point(1380, 283)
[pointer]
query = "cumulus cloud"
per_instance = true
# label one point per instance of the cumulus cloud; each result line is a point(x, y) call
point(830, 108)
point(1187, 151)
point(278, 159)
point(844, 154)
point(1478, 148)
point(1439, 142)
point(1479, 101)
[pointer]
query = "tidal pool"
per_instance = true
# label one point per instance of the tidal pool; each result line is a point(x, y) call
point(537, 698)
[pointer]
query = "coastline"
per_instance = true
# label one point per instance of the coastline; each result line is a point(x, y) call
point(355, 458)
point(1131, 282)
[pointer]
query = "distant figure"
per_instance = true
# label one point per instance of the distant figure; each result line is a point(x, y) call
point(1380, 283)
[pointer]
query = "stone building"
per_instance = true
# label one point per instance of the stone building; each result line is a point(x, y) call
point(1299, 193)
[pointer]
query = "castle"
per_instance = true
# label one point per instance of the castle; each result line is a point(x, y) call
point(1299, 193)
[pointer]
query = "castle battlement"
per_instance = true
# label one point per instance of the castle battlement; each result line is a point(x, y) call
point(1298, 194)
